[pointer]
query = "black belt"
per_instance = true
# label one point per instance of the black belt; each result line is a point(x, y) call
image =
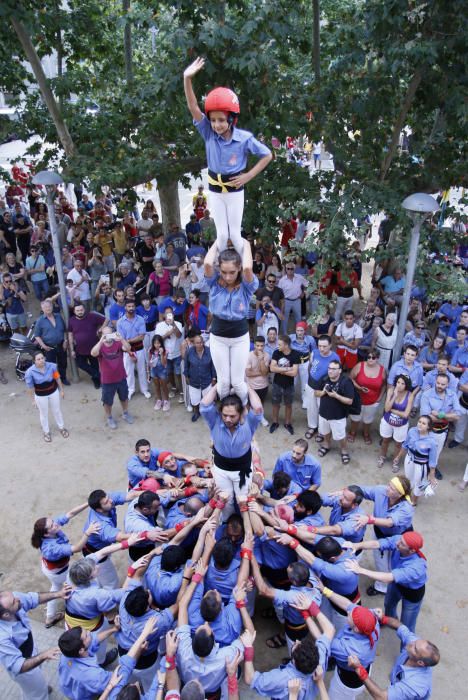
point(88, 549)
point(219, 182)
point(136, 552)
point(241, 464)
point(27, 647)
point(349, 678)
point(292, 299)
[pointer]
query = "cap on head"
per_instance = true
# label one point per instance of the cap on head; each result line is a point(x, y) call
point(163, 456)
point(222, 99)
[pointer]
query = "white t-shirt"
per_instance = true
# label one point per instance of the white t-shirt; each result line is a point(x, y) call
point(349, 334)
point(83, 291)
point(171, 343)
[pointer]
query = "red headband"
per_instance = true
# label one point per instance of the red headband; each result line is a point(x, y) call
point(414, 541)
point(162, 456)
point(365, 621)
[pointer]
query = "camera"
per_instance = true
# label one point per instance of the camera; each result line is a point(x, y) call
point(267, 307)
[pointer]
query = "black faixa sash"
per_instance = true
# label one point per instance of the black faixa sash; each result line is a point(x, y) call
point(242, 464)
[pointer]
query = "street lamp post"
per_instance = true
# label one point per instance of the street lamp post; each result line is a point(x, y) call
point(50, 180)
point(418, 207)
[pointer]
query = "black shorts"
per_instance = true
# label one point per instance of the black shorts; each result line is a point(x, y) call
point(282, 393)
point(108, 392)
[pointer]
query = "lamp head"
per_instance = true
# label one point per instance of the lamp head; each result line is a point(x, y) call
point(47, 177)
point(420, 206)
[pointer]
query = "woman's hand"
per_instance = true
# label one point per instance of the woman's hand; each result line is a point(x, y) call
point(240, 180)
point(194, 67)
point(62, 393)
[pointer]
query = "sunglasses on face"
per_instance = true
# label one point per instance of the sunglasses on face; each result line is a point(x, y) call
point(372, 357)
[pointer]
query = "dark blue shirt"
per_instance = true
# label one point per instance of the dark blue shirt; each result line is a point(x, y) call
point(199, 370)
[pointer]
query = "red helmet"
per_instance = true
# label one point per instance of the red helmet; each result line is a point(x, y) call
point(223, 100)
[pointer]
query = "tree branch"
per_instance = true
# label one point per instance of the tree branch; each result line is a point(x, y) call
point(400, 122)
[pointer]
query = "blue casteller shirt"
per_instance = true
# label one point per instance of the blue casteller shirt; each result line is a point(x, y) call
point(410, 571)
point(335, 575)
point(132, 627)
point(349, 643)
point(229, 156)
point(346, 521)
point(90, 601)
point(164, 585)
point(432, 401)
point(286, 599)
point(36, 376)
point(307, 474)
point(126, 667)
point(234, 305)
point(422, 445)
point(55, 548)
point(13, 633)
point(430, 379)
point(222, 580)
point(131, 327)
point(230, 444)
point(409, 682)
point(137, 469)
point(226, 627)
point(83, 678)
point(415, 373)
point(401, 513)
point(108, 522)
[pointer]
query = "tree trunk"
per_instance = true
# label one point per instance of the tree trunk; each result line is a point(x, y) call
point(316, 39)
point(47, 94)
point(128, 44)
point(400, 122)
point(170, 205)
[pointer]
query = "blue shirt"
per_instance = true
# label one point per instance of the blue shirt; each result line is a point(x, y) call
point(116, 311)
point(391, 285)
point(446, 402)
point(305, 347)
point(90, 601)
point(318, 366)
point(401, 513)
point(49, 334)
point(131, 327)
point(33, 264)
point(15, 307)
point(36, 376)
point(137, 469)
point(349, 643)
point(13, 633)
point(409, 682)
point(234, 305)
point(415, 373)
point(272, 554)
point(222, 580)
point(421, 446)
point(346, 521)
point(229, 156)
point(286, 599)
point(164, 585)
point(138, 522)
point(226, 627)
point(127, 280)
point(307, 474)
point(126, 667)
point(211, 670)
point(108, 522)
point(57, 547)
point(451, 312)
point(274, 683)
point(335, 575)
point(200, 319)
point(132, 627)
point(82, 678)
point(199, 370)
point(460, 358)
point(230, 444)
point(410, 571)
point(430, 379)
point(150, 316)
point(169, 303)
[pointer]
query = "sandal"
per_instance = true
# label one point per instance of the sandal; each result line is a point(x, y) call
point(47, 437)
point(351, 437)
point(319, 438)
point(345, 458)
point(53, 620)
point(64, 433)
point(276, 642)
point(367, 440)
point(323, 451)
point(381, 461)
point(310, 433)
point(395, 467)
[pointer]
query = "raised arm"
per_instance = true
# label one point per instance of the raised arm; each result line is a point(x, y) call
point(77, 509)
point(247, 262)
point(210, 260)
point(190, 96)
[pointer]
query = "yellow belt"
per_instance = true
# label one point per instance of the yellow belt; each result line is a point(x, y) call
point(219, 183)
point(89, 625)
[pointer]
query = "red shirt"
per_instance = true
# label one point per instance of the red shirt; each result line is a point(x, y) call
point(111, 363)
point(85, 331)
point(288, 231)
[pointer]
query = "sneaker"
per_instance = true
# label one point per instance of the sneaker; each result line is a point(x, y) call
point(158, 405)
point(146, 394)
point(111, 423)
point(264, 422)
point(180, 399)
point(289, 428)
point(171, 394)
point(190, 408)
point(452, 444)
point(128, 418)
point(273, 427)
point(166, 405)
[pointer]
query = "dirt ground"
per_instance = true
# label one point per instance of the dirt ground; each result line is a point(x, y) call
point(40, 479)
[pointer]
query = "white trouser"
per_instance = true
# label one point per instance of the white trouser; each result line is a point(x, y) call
point(140, 364)
point(56, 581)
point(230, 357)
point(465, 475)
point(32, 683)
point(43, 403)
point(338, 621)
point(145, 676)
point(227, 210)
point(229, 482)
point(196, 395)
point(312, 403)
point(303, 375)
point(294, 306)
point(417, 475)
point(339, 691)
point(440, 439)
point(460, 425)
point(342, 305)
point(382, 561)
point(107, 575)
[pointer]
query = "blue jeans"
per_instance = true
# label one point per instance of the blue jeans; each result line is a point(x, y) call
point(40, 289)
point(409, 610)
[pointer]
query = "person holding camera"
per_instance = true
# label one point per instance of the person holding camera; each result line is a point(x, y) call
point(13, 299)
point(267, 316)
point(97, 271)
point(336, 393)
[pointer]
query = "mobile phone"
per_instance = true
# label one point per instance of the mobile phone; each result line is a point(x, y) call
point(104, 279)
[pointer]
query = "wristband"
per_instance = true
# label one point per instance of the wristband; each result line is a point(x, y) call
point(311, 528)
point(180, 526)
point(124, 544)
point(144, 534)
point(170, 663)
point(220, 504)
point(244, 508)
point(197, 578)
point(212, 503)
point(292, 530)
point(362, 673)
point(248, 654)
point(232, 684)
point(384, 620)
point(371, 520)
point(131, 571)
point(190, 491)
point(246, 554)
point(187, 480)
point(305, 614)
point(327, 592)
point(240, 604)
point(294, 544)
point(314, 609)
point(186, 578)
point(251, 499)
